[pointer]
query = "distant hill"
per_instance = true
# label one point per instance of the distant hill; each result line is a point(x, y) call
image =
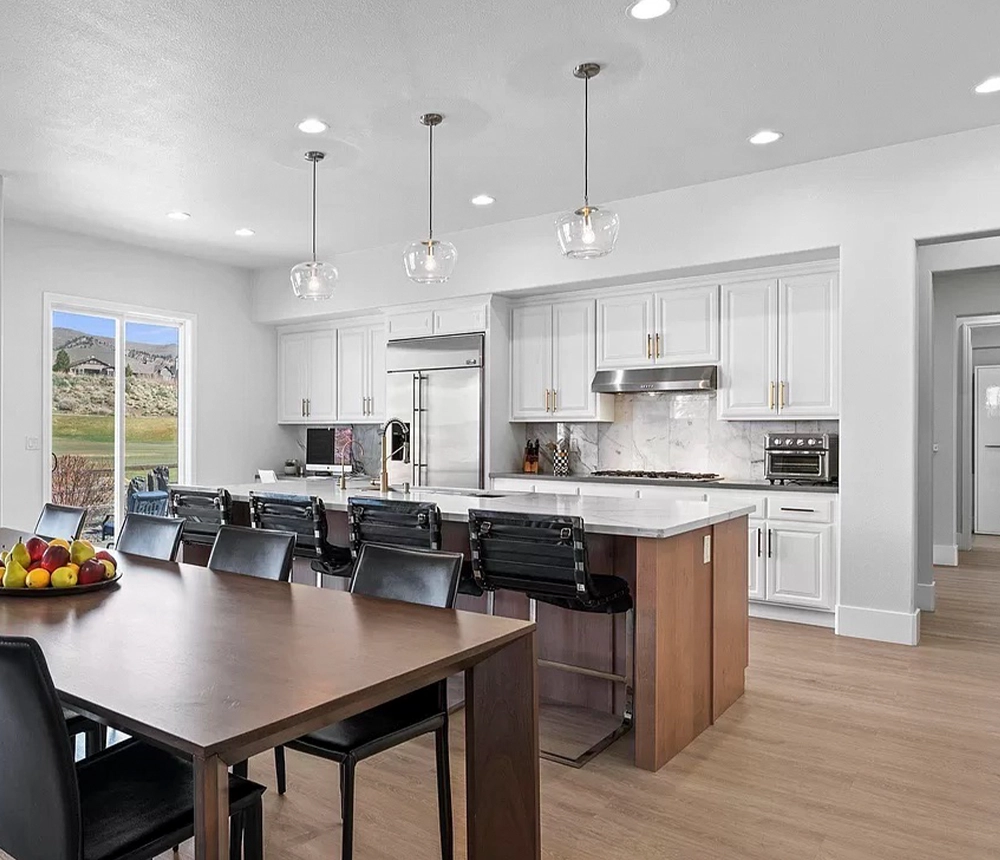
point(145, 359)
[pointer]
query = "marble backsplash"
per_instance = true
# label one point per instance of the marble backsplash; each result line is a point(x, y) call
point(658, 432)
point(367, 451)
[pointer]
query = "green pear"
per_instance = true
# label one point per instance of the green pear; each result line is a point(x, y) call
point(15, 575)
point(20, 554)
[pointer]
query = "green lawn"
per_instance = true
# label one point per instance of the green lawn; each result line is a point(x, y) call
point(149, 440)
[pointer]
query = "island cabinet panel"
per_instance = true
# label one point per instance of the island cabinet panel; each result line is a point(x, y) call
point(730, 613)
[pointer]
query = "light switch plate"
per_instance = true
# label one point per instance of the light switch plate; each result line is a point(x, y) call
point(708, 549)
point(32, 443)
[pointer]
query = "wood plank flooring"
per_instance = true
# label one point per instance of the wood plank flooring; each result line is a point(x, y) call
point(840, 750)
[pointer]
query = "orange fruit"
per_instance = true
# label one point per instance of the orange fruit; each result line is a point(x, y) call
point(38, 578)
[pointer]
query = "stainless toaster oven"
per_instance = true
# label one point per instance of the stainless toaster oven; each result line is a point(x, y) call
point(805, 457)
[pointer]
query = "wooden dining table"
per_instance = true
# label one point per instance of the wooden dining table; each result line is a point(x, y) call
point(219, 667)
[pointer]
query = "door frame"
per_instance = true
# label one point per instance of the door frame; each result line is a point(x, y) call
point(123, 313)
point(975, 442)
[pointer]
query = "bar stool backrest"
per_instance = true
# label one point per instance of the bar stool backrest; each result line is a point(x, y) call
point(203, 510)
point(530, 553)
point(305, 516)
point(393, 523)
point(60, 521)
point(253, 552)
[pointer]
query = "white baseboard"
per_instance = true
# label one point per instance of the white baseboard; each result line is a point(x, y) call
point(926, 596)
point(795, 614)
point(946, 555)
point(860, 622)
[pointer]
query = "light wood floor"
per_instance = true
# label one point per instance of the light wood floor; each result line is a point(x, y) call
point(840, 750)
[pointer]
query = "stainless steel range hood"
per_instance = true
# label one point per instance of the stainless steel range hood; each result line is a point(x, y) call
point(700, 378)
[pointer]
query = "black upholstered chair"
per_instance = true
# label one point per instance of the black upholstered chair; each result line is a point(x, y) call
point(157, 538)
point(95, 736)
point(393, 522)
point(305, 516)
point(130, 802)
point(203, 511)
point(545, 557)
point(60, 521)
point(254, 552)
point(416, 576)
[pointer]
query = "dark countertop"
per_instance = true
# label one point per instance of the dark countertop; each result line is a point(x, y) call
point(721, 484)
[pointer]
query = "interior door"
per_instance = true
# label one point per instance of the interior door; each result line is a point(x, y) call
point(573, 359)
point(293, 377)
point(321, 401)
point(808, 347)
point(749, 372)
point(987, 465)
point(530, 361)
point(352, 360)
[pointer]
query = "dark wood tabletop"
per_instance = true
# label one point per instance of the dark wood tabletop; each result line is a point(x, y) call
point(222, 666)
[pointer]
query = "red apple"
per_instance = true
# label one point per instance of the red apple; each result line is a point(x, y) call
point(104, 555)
point(36, 547)
point(91, 571)
point(54, 557)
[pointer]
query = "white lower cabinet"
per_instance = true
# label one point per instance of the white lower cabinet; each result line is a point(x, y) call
point(757, 574)
point(798, 565)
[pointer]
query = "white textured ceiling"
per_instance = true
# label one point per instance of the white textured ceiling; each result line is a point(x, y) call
point(113, 112)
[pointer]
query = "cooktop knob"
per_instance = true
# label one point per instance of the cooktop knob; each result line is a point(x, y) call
point(800, 442)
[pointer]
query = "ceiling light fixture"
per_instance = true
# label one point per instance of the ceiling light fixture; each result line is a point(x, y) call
point(314, 280)
point(483, 200)
point(588, 231)
point(646, 10)
point(311, 125)
point(244, 231)
point(765, 136)
point(178, 216)
point(990, 85)
point(430, 261)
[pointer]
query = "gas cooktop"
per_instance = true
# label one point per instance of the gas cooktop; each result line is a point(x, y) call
point(656, 476)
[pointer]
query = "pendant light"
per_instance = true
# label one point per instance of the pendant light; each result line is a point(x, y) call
point(430, 261)
point(314, 280)
point(588, 231)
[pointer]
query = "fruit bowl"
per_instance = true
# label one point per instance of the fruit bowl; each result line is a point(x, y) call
point(39, 568)
point(60, 592)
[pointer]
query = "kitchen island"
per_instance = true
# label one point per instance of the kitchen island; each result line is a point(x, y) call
point(686, 563)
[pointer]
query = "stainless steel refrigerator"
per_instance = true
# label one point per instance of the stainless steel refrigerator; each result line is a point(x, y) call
point(435, 386)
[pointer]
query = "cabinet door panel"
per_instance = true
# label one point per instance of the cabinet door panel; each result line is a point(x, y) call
point(293, 377)
point(573, 359)
point(749, 350)
point(808, 346)
point(352, 366)
point(687, 322)
point(376, 374)
point(757, 573)
point(322, 396)
point(624, 331)
point(531, 361)
point(799, 569)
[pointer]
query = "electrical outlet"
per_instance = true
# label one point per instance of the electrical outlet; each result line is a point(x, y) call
point(32, 443)
point(708, 549)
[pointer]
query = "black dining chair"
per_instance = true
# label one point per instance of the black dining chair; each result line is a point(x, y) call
point(263, 553)
point(60, 521)
point(306, 517)
point(202, 509)
point(545, 558)
point(157, 538)
point(414, 576)
point(132, 801)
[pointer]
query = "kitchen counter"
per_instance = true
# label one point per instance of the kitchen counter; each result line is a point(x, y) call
point(609, 516)
point(721, 484)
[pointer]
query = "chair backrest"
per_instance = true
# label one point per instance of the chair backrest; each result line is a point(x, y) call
point(60, 521)
point(150, 537)
point(530, 553)
point(263, 553)
point(414, 575)
point(151, 502)
point(305, 516)
point(203, 511)
point(393, 523)
point(40, 815)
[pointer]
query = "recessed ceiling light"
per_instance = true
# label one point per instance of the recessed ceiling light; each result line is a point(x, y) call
point(483, 200)
point(244, 231)
point(765, 136)
point(178, 216)
point(646, 10)
point(990, 85)
point(313, 126)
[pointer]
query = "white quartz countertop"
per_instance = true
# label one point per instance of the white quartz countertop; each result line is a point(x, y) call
point(650, 518)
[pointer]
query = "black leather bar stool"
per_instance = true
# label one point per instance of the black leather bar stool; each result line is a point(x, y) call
point(305, 516)
point(60, 521)
point(150, 537)
point(416, 576)
point(202, 509)
point(263, 553)
point(545, 557)
point(394, 522)
point(131, 802)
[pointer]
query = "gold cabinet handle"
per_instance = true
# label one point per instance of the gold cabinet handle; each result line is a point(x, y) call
point(770, 396)
point(657, 344)
point(781, 396)
point(302, 407)
point(546, 400)
point(553, 400)
point(649, 346)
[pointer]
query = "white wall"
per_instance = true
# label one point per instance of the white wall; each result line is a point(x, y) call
point(235, 367)
point(872, 205)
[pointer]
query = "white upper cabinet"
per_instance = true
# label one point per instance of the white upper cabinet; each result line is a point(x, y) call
point(376, 373)
point(307, 376)
point(352, 373)
point(671, 326)
point(461, 317)
point(321, 401)
point(780, 348)
point(293, 377)
point(553, 360)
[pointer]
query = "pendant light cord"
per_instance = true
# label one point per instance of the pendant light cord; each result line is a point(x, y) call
point(586, 142)
point(314, 210)
point(430, 184)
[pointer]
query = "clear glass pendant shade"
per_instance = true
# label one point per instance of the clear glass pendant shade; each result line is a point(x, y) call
point(314, 280)
point(430, 261)
point(588, 232)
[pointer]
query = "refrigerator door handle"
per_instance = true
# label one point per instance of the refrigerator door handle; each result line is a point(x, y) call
point(415, 439)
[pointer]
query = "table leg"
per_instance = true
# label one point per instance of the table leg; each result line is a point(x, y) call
point(501, 758)
point(211, 809)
